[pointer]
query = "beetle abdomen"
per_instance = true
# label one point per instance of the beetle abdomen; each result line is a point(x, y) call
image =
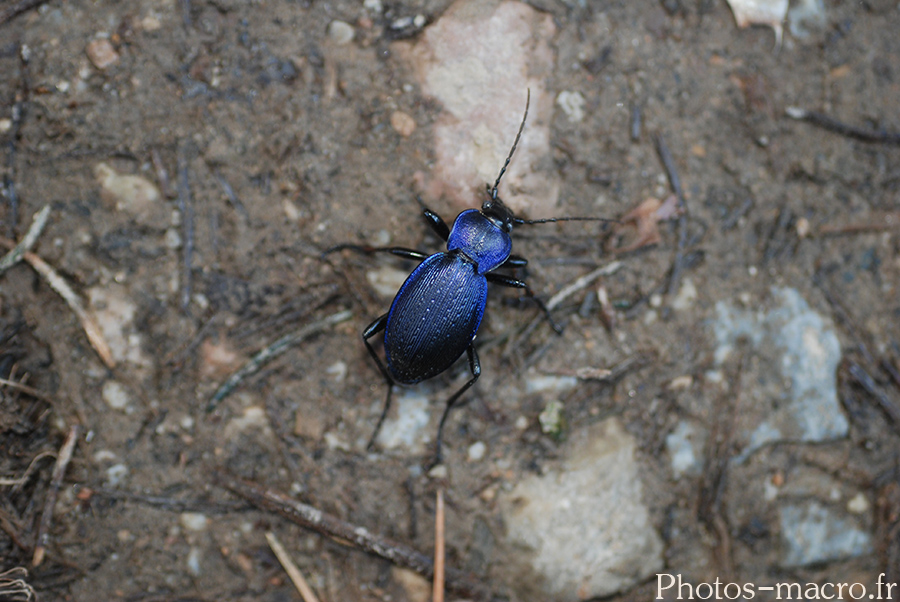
point(434, 317)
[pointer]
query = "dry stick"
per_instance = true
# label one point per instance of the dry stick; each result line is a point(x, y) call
point(34, 231)
point(26, 389)
point(582, 283)
point(291, 569)
point(675, 182)
point(569, 290)
point(20, 7)
point(24, 478)
point(57, 283)
point(886, 404)
point(437, 593)
point(347, 533)
point(17, 113)
point(187, 219)
point(271, 352)
point(831, 124)
point(13, 586)
point(62, 462)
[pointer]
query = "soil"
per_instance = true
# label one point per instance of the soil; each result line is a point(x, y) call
point(270, 143)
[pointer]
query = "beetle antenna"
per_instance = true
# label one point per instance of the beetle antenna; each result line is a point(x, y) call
point(519, 221)
point(513, 149)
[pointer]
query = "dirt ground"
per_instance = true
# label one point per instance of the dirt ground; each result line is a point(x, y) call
point(270, 143)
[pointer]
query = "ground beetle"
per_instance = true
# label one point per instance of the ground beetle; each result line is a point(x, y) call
point(437, 311)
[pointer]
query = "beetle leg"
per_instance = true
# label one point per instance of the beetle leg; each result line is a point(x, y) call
point(370, 331)
point(514, 261)
point(437, 224)
point(475, 368)
point(435, 221)
point(509, 281)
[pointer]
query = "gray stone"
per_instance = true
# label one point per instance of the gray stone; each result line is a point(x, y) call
point(812, 533)
point(802, 349)
point(585, 525)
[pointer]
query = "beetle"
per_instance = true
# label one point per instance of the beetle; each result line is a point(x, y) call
point(436, 313)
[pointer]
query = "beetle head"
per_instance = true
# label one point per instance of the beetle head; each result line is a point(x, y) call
point(495, 210)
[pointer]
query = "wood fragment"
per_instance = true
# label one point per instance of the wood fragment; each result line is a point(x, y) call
point(887, 405)
point(271, 352)
point(62, 288)
point(347, 533)
point(838, 127)
point(14, 10)
point(62, 462)
point(665, 155)
point(291, 569)
point(437, 594)
point(34, 231)
point(14, 588)
point(186, 207)
point(18, 481)
point(25, 389)
point(582, 282)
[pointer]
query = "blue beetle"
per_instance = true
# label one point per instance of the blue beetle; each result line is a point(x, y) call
point(435, 316)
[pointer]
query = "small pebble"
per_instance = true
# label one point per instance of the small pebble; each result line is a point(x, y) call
point(477, 451)
point(572, 104)
point(341, 33)
point(150, 23)
point(338, 370)
point(686, 296)
point(115, 474)
point(193, 561)
point(173, 239)
point(373, 5)
point(194, 521)
point(403, 123)
point(101, 53)
point(115, 395)
point(859, 504)
point(438, 472)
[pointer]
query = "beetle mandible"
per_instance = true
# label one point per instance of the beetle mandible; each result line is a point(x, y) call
point(436, 313)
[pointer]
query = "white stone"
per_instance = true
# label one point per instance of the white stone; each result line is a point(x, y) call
point(586, 522)
point(572, 104)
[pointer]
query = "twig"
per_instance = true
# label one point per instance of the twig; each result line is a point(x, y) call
point(675, 182)
point(168, 503)
point(886, 404)
point(10, 526)
point(232, 197)
point(17, 9)
point(162, 174)
point(291, 569)
point(347, 533)
point(14, 588)
point(58, 284)
point(26, 389)
point(27, 242)
point(18, 117)
point(62, 462)
point(437, 593)
point(21, 480)
point(582, 283)
point(273, 351)
point(877, 223)
point(187, 221)
point(833, 125)
point(610, 375)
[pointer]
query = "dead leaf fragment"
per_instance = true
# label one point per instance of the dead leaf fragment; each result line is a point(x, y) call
point(102, 53)
point(403, 123)
point(646, 218)
point(761, 12)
